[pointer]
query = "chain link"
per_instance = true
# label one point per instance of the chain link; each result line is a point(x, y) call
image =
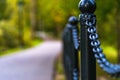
point(76, 39)
point(112, 69)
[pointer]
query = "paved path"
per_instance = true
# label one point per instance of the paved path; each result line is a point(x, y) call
point(32, 64)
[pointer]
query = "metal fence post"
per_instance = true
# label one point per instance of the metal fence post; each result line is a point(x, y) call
point(89, 46)
point(88, 62)
point(70, 49)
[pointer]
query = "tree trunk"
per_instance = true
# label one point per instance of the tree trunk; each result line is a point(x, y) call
point(118, 38)
point(118, 28)
point(3, 5)
point(33, 10)
point(20, 24)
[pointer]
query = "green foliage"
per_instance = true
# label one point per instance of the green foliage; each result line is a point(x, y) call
point(8, 35)
point(106, 21)
point(51, 16)
point(54, 14)
point(12, 16)
point(2, 8)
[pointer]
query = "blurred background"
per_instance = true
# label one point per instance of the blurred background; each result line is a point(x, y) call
point(26, 23)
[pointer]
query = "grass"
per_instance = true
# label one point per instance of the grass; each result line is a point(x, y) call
point(59, 71)
point(111, 55)
point(12, 50)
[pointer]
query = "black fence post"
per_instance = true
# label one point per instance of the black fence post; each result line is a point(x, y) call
point(89, 45)
point(70, 49)
point(88, 62)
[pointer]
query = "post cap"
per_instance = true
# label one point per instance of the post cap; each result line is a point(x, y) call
point(87, 6)
point(73, 20)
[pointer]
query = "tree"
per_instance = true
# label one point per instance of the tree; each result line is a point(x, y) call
point(20, 22)
point(33, 13)
point(2, 8)
point(118, 27)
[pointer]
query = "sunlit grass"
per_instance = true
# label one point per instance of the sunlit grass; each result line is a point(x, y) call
point(110, 52)
point(59, 71)
point(36, 42)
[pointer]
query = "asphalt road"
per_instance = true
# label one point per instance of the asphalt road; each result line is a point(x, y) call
point(31, 64)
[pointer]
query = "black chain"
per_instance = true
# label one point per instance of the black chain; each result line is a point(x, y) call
point(112, 69)
point(76, 39)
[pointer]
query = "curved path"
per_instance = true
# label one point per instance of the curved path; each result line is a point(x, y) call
point(32, 64)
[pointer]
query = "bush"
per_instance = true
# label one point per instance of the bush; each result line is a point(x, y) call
point(8, 35)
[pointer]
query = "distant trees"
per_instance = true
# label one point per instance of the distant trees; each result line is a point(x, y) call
point(108, 14)
point(51, 16)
